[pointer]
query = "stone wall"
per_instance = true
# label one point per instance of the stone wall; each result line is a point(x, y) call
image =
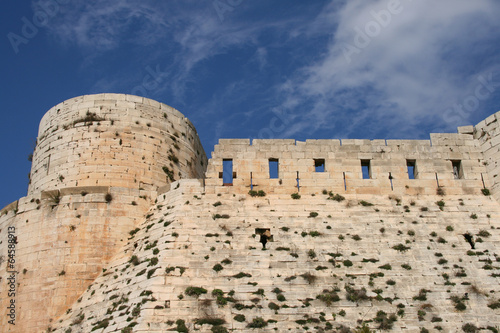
point(342, 165)
point(64, 239)
point(392, 247)
point(98, 164)
point(487, 133)
point(114, 140)
point(116, 176)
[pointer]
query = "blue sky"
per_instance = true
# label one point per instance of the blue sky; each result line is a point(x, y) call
point(253, 69)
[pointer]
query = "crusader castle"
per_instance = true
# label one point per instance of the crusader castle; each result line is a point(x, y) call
point(128, 227)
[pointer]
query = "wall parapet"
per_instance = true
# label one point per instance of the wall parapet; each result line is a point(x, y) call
point(448, 160)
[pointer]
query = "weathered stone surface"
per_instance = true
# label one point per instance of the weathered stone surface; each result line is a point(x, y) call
point(124, 262)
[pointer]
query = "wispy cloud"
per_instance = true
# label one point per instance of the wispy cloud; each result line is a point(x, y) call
point(100, 26)
point(338, 67)
point(406, 72)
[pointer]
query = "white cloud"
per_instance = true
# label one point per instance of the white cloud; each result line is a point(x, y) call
point(405, 72)
point(100, 26)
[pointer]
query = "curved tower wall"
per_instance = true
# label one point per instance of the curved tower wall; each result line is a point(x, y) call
point(67, 228)
point(114, 140)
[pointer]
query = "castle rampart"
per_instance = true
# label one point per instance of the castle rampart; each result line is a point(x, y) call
point(452, 162)
point(102, 161)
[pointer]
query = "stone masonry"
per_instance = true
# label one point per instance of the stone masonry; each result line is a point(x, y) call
point(127, 227)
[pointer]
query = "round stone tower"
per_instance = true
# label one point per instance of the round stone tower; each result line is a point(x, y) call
point(99, 164)
point(114, 140)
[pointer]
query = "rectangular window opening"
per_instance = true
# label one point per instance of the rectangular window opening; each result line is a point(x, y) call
point(410, 165)
point(457, 169)
point(227, 172)
point(319, 165)
point(273, 168)
point(366, 169)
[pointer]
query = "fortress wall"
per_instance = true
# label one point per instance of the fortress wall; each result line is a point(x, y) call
point(114, 140)
point(93, 145)
point(187, 242)
point(487, 133)
point(88, 147)
point(342, 165)
point(77, 236)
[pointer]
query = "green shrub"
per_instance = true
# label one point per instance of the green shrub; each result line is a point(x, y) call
point(400, 247)
point(440, 204)
point(484, 233)
point(336, 197)
point(219, 329)
point(313, 214)
point(259, 193)
point(151, 272)
point(195, 291)
point(257, 322)
point(310, 278)
point(217, 267)
point(485, 191)
point(239, 318)
point(101, 324)
point(355, 295)
point(295, 196)
point(134, 260)
point(422, 295)
point(241, 275)
point(210, 321)
point(494, 304)
point(442, 261)
point(328, 297)
point(219, 216)
point(273, 306)
point(469, 328)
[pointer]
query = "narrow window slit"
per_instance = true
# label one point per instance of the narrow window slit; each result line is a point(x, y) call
point(366, 169)
point(410, 166)
point(273, 168)
point(457, 169)
point(227, 172)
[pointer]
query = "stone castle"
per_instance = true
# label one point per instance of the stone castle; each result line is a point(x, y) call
point(128, 227)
